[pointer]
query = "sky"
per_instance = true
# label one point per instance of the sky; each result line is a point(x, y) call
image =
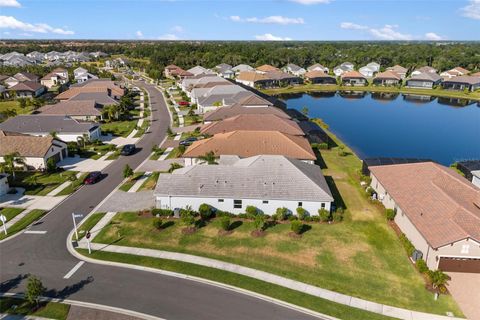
point(241, 19)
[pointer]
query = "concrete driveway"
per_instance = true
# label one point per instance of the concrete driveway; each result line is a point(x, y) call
point(465, 289)
point(84, 164)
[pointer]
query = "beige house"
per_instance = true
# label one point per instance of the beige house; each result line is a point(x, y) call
point(35, 150)
point(437, 209)
point(57, 77)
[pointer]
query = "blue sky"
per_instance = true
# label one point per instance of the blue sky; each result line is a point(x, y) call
point(241, 20)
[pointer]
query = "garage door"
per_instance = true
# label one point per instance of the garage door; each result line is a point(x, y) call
point(459, 265)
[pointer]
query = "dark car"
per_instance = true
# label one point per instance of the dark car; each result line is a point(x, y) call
point(93, 177)
point(188, 141)
point(128, 149)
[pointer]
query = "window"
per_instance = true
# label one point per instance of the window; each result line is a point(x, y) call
point(237, 204)
point(300, 204)
point(220, 200)
point(265, 201)
point(323, 205)
point(465, 248)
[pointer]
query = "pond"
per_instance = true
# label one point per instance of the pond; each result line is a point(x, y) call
point(396, 125)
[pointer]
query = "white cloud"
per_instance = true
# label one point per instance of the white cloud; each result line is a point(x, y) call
point(269, 20)
point(433, 36)
point(177, 29)
point(169, 36)
point(309, 2)
point(271, 37)
point(472, 10)
point(9, 22)
point(25, 34)
point(10, 3)
point(139, 34)
point(354, 26)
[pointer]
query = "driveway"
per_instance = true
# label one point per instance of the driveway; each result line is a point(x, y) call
point(128, 201)
point(84, 164)
point(465, 289)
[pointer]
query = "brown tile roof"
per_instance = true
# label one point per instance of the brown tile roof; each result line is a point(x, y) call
point(72, 108)
point(352, 74)
point(267, 68)
point(65, 95)
point(236, 109)
point(476, 74)
point(388, 75)
point(442, 205)
point(254, 100)
point(251, 143)
point(102, 83)
point(251, 76)
point(461, 70)
point(26, 86)
point(398, 68)
point(316, 74)
point(254, 122)
point(25, 145)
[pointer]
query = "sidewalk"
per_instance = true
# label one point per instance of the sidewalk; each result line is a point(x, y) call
point(59, 189)
point(139, 182)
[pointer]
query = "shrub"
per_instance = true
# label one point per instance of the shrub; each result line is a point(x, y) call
point(390, 214)
point(127, 171)
point(251, 211)
point(421, 265)
point(337, 215)
point(243, 216)
point(341, 151)
point(162, 212)
point(407, 244)
point(157, 223)
point(225, 223)
point(301, 213)
point(438, 278)
point(221, 213)
point(296, 226)
point(259, 223)
point(292, 218)
point(324, 215)
point(282, 213)
point(205, 211)
point(323, 146)
point(315, 218)
point(187, 216)
point(51, 165)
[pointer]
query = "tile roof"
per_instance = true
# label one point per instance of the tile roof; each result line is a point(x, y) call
point(254, 122)
point(254, 100)
point(101, 98)
point(25, 145)
point(317, 74)
point(236, 109)
point(388, 75)
point(429, 76)
point(352, 74)
point(73, 91)
point(442, 205)
point(27, 86)
point(315, 66)
point(45, 124)
point(471, 80)
point(267, 68)
point(251, 76)
point(398, 69)
point(72, 108)
point(260, 177)
point(252, 143)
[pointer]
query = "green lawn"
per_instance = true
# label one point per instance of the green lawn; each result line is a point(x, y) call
point(9, 213)
point(40, 183)
point(119, 128)
point(50, 310)
point(31, 217)
point(141, 130)
point(91, 221)
point(74, 186)
point(175, 153)
point(13, 105)
point(361, 256)
point(130, 182)
point(151, 182)
point(95, 152)
point(274, 291)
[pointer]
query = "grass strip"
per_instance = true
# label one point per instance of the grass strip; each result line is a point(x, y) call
point(21, 224)
point(50, 310)
point(10, 213)
point(130, 182)
point(91, 222)
point(150, 183)
point(72, 187)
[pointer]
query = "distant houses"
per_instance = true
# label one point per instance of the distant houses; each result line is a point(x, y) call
point(319, 77)
point(16, 59)
point(425, 80)
point(462, 83)
point(353, 78)
point(387, 78)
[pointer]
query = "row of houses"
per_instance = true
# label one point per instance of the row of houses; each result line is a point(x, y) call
point(261, 152)
point(17, 59)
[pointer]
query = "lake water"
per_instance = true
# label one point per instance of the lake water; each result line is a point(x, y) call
point(383, 125)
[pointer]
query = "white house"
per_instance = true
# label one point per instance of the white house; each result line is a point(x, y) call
point(318, 67)
point(367, 71)
point(294, 69)
point(242, 68)
point(261, 181)
point(374, 66)
point(36, 150)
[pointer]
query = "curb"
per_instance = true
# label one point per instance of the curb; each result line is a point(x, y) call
point(90, 305)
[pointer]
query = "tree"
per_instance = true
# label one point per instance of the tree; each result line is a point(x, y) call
point(22, 102)
point(259, 223)
point(225, 223)
point(188, 216)
point(324, 215)
point(35, 289)
point(10, 161)
point(127, 171)
point(51, 165)
point(174, 166)
point(209, 158)
point(438, 278)
point(205, 211)
point(296, 226)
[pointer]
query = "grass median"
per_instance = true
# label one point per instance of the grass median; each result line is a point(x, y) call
point(21, 224)
point(49, 310)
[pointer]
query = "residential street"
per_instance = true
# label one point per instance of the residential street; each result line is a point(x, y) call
point(45, 255)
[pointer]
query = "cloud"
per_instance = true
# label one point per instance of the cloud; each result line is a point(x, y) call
point(139, 34)
point(25, 34)
point(10, 3)
point(9, 22)
point(433, 36)
point(354, 26)
point(177, 29)
point(269, 20)
point(169, 36)
point(472, 10)
point(271, 37)
point(309, 2)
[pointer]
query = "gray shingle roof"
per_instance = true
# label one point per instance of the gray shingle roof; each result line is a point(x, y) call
point(259, 177)
point(45, 124)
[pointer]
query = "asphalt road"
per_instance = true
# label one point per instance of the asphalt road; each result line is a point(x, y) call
point(46, 256)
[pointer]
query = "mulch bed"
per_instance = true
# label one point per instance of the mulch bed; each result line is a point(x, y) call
point(224, 232)
point(293, 235)
point(189, 230)
point(258, 233)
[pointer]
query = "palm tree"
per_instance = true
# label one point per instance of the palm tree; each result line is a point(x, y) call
point(11, 161)
point(438, 278)
point(209, 158)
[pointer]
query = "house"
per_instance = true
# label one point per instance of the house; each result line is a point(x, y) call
point(58, 76)
point(36, 56)
point(401, 71)
point(101, 99)
point(344, 67)
point(319, 77)
point(387, 78)
point(237, 109)
point(424, 80)
point(367, 71)
point(36, 150)
point(253, 122)
point(318, 67)
point(11, 81)
point(263, 181)
point(426, 69)
point(437, 209)
point(225, 71)
point(373, 66)
point(189, 83)
point(82, 75)
point(171, 70)
point(455, 72)
point(66, 128)
point(294, 69)
point(27, 89)
point(251, 143)
point(353, 78)
point(199, 70)
point(280, 79)
point(476, 74)
point(242, 68)
point(471, 170)
point(82, 110)
point(3, 91)
point(217, 88)
point(266, 68)
point(93, 85)
point(252, 79)
point(461, 83)
point(4, 186)
point(26, 76)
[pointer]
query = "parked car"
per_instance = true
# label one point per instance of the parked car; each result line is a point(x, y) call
point(93, 177)
point(188, 141)
point(184, 103)
point(128, 149)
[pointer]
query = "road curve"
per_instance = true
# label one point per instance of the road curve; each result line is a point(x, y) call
point(46, 256)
